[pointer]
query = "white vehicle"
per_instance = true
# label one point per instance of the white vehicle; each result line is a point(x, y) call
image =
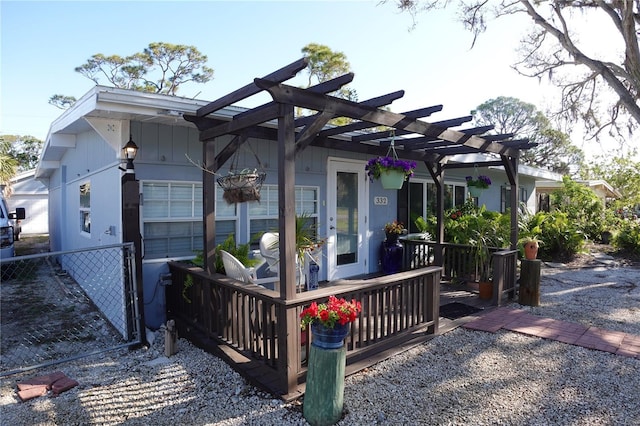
point(9, 231)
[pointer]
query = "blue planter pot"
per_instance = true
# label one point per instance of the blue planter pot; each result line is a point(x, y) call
point(328, 338)
point(391, 256)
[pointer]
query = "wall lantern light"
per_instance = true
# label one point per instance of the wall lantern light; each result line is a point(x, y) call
point(129, 152)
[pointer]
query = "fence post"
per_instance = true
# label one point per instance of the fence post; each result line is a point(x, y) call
point(529, 282)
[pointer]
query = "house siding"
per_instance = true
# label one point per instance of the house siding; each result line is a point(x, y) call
point(161, 157)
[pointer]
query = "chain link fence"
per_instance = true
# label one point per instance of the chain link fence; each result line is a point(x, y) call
point(66, 305)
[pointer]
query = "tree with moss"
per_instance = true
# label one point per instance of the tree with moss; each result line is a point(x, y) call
point(601, 88)
point(324, 65)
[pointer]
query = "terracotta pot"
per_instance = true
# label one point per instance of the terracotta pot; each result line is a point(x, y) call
point(531, 250)
point(486, 290)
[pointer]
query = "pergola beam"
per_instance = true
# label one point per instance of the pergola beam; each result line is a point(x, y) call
point(283, 74)
point(374, 102)
point(294, 96)
point(453, 122)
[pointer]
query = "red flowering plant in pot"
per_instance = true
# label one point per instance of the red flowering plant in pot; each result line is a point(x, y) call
point(330, 321)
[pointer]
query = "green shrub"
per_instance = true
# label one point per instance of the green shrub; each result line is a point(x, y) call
point(461, 225)
point(560, 236)
point(628, 236)
point(582, 207)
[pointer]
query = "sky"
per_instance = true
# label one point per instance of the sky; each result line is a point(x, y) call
point(42, 42)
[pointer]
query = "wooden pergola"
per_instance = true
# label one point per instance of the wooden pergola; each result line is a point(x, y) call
point(433, 144)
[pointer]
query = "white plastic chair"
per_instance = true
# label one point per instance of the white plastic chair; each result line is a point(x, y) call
point(269, 250)
point(236, 270)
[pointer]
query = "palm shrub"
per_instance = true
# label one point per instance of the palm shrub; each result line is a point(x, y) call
point(240, 252)
point(561, 237)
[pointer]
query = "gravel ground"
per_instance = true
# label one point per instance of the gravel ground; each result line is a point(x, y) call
point(461, 378)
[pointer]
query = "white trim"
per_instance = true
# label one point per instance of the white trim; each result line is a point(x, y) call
point(365, 233)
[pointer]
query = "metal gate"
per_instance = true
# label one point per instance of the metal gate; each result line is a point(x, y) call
point(66, 305)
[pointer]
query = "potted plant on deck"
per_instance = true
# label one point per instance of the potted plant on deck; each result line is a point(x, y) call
point(392, 230)
point(391, 249)
point(308, 246)
point(482, 238)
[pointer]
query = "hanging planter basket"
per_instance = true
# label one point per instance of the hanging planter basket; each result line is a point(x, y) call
point(392, 179)
point(475, 191)
point(238, 186)
point(391, 171)
point(476, 184)
point(241, 187)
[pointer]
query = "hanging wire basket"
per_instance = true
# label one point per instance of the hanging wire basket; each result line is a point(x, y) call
point(242, 186)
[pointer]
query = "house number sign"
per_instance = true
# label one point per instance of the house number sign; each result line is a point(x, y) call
point(380, 201)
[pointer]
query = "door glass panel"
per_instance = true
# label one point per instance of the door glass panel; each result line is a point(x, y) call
point(346, 218)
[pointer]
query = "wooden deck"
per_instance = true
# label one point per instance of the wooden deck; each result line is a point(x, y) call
point(242, 323)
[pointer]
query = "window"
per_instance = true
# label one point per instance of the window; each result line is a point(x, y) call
point(172, 216)
point(172, 219)
point(420, 199)
point(85, 207)
point(505, 197)
point(263, 216)
point(454, 195)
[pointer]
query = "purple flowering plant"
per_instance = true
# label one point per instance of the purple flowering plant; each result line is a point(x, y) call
point(482, 182)
point(376, 166)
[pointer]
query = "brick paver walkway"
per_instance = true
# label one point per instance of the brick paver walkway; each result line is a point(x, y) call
point(615, 342)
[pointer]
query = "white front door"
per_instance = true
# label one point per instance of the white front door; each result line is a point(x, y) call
point(347, 218)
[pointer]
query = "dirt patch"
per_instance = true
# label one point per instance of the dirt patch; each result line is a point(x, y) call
point(45, 314)
point(590, 258)
point(32, 244)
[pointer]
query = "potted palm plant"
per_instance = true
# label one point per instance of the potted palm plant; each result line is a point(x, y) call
point(530, 246)
point(308, 246)
point(481, 241)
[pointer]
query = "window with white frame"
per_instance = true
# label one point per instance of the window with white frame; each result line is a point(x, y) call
point(172, 219)
point(172, 216)
point(263, 216)
point(85, 207)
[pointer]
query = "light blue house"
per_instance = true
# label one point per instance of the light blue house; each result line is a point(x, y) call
point(82, 166)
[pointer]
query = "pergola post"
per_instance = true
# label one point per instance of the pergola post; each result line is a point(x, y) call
point(437, 174)
point(289, 327)
point(209, 206)
point(511, 168)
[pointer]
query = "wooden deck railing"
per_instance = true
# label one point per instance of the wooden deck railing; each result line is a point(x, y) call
point(458, 263)
point(245, 322)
